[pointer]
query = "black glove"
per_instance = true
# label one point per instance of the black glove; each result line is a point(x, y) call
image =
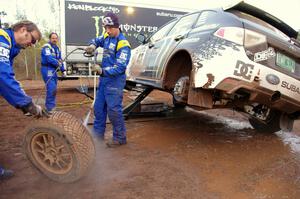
point(90, 49)
point(35, 110)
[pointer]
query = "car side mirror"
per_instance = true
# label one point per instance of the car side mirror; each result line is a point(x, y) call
point(141, 39)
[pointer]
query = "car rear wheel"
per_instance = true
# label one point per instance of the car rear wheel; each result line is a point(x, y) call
point(60, 147)
point(270, 125)
point(180, 92)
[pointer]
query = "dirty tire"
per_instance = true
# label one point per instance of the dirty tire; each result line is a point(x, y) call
point(180, 92)
point(60, 147)
point(272, 124)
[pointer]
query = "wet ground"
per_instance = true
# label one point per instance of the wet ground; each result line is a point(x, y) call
point(187, 154)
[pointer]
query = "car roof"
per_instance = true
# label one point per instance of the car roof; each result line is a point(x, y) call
point(263, 15)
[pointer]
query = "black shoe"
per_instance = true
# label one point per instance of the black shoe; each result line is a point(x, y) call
point(114, 143)
point(5, 173)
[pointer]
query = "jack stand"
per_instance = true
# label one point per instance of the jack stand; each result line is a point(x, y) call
point(134, 109)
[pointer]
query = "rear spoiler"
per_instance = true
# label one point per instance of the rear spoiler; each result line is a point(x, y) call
point(263, 15)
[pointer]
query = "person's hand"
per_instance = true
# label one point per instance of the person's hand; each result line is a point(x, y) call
point(96, 68)
point(64, 74)
point(35, 110)
point(90, 49)
point(59, 65)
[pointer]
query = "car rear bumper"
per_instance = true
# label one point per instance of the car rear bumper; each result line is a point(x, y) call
point(229, 69)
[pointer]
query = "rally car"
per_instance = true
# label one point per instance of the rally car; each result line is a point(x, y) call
point(240, 57)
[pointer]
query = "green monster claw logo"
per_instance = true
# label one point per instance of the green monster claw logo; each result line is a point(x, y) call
point(97, 22)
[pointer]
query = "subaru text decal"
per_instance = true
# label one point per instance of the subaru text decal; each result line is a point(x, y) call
point(243, 70)
point(290, 87)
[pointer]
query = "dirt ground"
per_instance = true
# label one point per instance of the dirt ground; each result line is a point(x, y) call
point(187, 154)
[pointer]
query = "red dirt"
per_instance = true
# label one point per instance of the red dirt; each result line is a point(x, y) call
point(187, 154)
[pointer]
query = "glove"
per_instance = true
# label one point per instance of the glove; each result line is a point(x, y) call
point(35, 110)
point(96, 68)
point(64, 74)
point(58, 67)
point(90, 49)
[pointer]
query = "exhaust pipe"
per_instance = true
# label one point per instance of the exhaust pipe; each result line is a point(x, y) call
point(276, 96)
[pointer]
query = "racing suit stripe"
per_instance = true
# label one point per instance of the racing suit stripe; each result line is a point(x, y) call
point(6, 36)
point(123, 43)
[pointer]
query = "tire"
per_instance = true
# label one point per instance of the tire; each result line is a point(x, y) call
point(272, 124)
point(60, 147)
point(177, 104)
point(180, 92)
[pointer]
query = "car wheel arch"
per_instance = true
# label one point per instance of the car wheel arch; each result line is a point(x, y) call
point(178, 65)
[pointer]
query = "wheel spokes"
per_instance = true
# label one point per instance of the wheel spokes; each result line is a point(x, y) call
point(52, 153)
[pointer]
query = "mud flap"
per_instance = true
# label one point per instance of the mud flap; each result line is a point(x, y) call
point(286, 123)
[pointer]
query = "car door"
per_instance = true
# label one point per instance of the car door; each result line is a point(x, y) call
point(161, 49)
point(142, 53)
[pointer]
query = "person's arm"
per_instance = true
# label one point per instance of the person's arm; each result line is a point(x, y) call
point(119, 67)
point(99, 41)
point(95, 43)
point(10, 88)
point(50, 59)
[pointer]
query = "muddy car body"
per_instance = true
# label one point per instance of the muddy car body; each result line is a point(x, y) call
point(240, 57)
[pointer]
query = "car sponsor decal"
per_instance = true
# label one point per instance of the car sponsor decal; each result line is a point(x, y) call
point(212, 48)
point(273, 79)
point(4, 52)
point(264, 55)
point(290, 87)
point(243, 70)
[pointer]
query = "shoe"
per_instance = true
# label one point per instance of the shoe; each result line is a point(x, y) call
point(5, 173)
point(114, 143)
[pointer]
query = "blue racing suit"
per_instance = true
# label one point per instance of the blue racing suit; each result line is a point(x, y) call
point(10, 88)
point(50, 59)
point(116, 56)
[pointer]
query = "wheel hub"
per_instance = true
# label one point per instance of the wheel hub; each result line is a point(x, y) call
point(52, 153)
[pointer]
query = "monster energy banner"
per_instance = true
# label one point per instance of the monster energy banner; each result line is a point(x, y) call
point(84, 21)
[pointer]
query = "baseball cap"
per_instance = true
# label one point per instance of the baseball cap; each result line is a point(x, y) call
point(111, 19)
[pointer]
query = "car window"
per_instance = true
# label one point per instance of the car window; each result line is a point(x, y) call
point(258, 22)
point(184, 24)
point(162, 32)
point(205, 17)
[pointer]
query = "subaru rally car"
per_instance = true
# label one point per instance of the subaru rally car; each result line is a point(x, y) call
point(240, 57)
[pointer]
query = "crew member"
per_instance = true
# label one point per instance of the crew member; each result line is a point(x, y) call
point(51, 63)
point(20, 36)
point(116, 56)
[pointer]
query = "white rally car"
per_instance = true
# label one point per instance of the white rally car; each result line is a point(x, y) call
point(240, 57)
